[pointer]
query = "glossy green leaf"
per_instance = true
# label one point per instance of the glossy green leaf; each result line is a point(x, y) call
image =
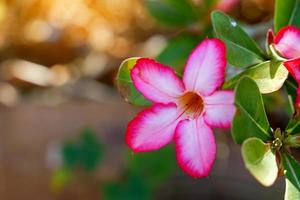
point(125, 85)
point(250, 119)
point(287, 12)
point(262, 74)
point(172, 13)
point(170, 56)
point(260, 161)
point(291, 192)
point(291, 169)
point(242, 51)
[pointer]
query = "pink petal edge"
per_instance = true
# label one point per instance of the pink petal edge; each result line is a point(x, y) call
point(293, 66)
point(152, 128)
point(195, 147)
point(287, 42)
point(205, 68)
point(156, 82)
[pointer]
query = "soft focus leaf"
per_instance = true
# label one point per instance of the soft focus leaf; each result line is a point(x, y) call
point(242, 51)
point(291, 169)
point(177, 52)
point(86, 152)
point(147, 164)
point(260, 161)
point(70, 153)
point(262, 75)
point(172, 13)
point(287, 12)
point(90, 150)
point(250, 119)
point(291, 192)
point(125, 85)
point(132, 188)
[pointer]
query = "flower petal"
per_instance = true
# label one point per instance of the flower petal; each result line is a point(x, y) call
point(293, 66)
point(270, 37)
point(195, 147)
point(219, 109)
point(287, 42)
point(205, 68)
point(297, 103)
point(152, 128)
point(156, 82)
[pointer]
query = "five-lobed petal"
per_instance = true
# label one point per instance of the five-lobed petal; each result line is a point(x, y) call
point(183, 111)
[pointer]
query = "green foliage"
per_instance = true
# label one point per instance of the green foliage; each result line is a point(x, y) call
point(242, 51)
point(133, 188)
point(260, 161)
point(287, 12)
point(291, 192)
point(85, 153)
point(250, 119)
point(125, 85)
point(156, 166)
point(145, 173)
point(266, 77)
point(177, 52)
point(172, 13)
point(292, 169)
point(293, 126)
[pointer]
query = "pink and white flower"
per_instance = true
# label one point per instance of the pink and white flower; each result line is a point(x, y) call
point(183, 110)
point(287, 44)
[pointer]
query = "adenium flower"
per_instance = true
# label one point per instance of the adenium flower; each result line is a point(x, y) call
point(287, 44)
point(183, 110)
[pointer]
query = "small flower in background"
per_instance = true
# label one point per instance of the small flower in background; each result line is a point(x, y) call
point(183, 110)
point(286, 43)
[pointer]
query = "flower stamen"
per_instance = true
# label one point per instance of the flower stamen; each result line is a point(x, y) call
point(191, 104)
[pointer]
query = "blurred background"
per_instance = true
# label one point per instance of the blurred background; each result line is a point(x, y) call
point(62, 120)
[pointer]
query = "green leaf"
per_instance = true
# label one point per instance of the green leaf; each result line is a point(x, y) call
point(170, 56)
point(125, 85)
point(260, 161)
point(287, 12)
point(172, 13)
point(291, 86)
point(291, 192)
point(293, 126)
point(291, 169)
point(262, 74)
point(242, 51)
point(250, 119)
